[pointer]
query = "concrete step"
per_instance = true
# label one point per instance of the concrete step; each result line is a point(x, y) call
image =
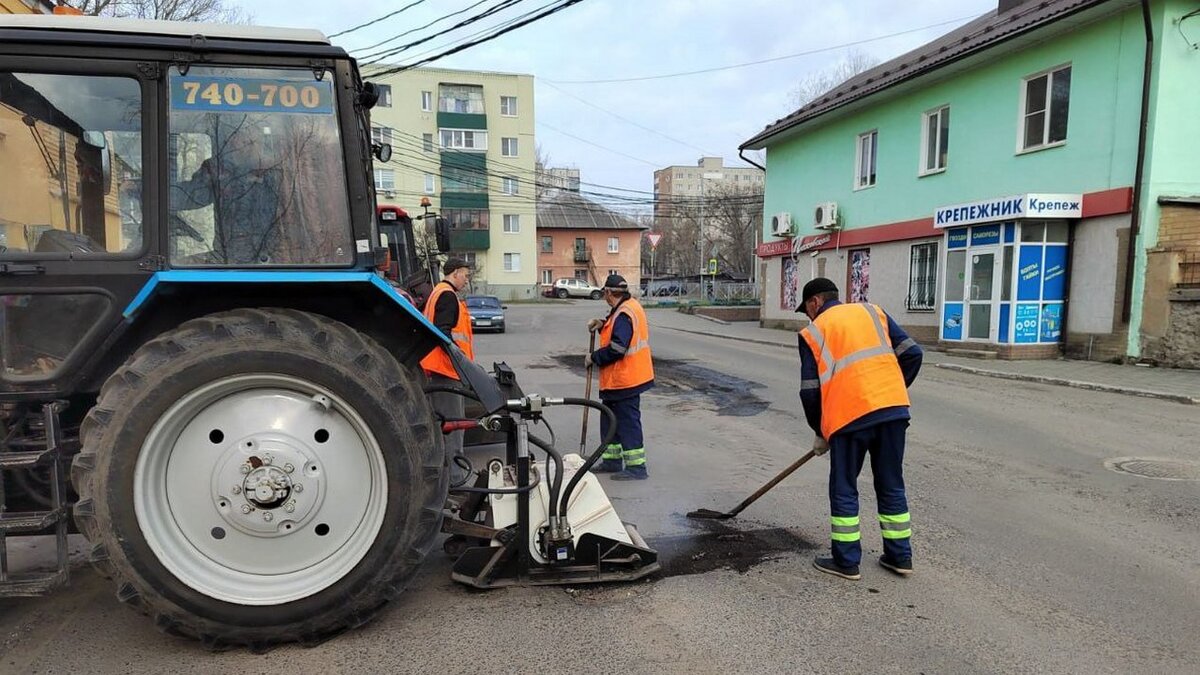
point(972, 353)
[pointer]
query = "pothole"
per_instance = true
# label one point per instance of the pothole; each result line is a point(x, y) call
point(723, 547)
point(1161, 469)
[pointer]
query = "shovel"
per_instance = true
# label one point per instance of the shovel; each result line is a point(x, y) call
point(709, 514)
point(587, 393)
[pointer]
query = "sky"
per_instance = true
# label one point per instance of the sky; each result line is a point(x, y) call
point(667, 121)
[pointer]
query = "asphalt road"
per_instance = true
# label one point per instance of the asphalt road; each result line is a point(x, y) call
point(1030, 554)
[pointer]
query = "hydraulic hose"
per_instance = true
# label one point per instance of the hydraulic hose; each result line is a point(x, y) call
point(591, 461)
point(551, 453)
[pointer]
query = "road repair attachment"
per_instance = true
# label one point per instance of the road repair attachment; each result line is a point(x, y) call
point(709, 514)
point(518, 525)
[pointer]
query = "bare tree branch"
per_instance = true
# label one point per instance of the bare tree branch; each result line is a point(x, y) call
point(210, 11)
point(816, 84)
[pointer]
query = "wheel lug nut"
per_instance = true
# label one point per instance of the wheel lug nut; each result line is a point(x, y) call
point(267, 459)
point(290, 508)
point(245, 468)
point(289, 468)
point(267, 516)
point(298, 488)
point(237, 489)
point(246, 508)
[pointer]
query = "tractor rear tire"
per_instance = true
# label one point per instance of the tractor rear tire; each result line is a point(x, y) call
point(194, 462)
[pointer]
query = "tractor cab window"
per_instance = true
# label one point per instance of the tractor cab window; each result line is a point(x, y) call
point(256, 169)
point(71, 161)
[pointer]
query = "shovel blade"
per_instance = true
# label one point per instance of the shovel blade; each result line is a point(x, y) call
point(708, 514)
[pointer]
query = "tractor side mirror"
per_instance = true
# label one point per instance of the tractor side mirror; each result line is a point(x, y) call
point(382, 152)
point(441, 230)
point(96, 139)
point(368, 96)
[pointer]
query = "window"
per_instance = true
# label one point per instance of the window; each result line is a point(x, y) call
point(614, 244)
point(512, 223)
point(385, 179)
point(461, 139)
point(547, 244)
point(242, 179)
point(580, 275)
point(512, 262)
point(935, 134)
point(547, 277)
point(429, 184)
point(427, 142)
point(508, 106)
point(463, 179)
point(460, 98)
point(1045, 100)
point(381, 135)
point(510, 186)
point(508, 147)
point(466, 219)
point(922, 277)
point(71, 160)
point(427, 101)
point(385, 95)
point(865, 160)
point(468, 256)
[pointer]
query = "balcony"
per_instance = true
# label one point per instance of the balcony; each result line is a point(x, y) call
point(582, 255)
point(470, 240)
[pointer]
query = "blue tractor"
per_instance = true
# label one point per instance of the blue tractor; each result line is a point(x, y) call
point(196, 321)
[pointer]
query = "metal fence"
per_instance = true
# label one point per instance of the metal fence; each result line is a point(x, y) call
point(717, 292)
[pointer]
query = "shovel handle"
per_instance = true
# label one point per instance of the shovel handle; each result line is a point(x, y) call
point(773, 482)
point(587, 394)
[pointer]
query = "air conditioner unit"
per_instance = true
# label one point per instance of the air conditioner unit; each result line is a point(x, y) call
point(825, 217)
point(781, 225)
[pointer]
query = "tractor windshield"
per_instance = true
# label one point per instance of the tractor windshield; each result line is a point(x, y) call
point(257, 174)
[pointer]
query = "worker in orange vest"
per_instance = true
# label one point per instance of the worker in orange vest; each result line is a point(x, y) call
point(446, 310)
point(626, 372)
point(856, 365)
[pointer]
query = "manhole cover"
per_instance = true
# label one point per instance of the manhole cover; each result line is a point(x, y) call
point(1164, 469)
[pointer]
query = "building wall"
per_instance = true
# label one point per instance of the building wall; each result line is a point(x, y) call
point(412, 163)
point(1172, 163)
point(1094, 265)
point(561, 261)
point(24, 7)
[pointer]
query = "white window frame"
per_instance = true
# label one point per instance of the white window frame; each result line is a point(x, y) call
point(380, 134)
point(547, 277)
point(385, 96)
point(872, 176)
point(426, 101)
point(509, 146)
point(510, 185)
point(380, 184)
point(924, 169)
point(430, 184)
point(512, 262)
point(932, 267)
point(458, 139)
point(512, 107)
point(1021, 114)
point(614, 244)
point(427, 143)
point(512, 223)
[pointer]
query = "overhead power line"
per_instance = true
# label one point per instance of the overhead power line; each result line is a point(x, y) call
point(382, 18)
point(491, 11)
point(797, 55)
point(419, 28)
point(597, 145)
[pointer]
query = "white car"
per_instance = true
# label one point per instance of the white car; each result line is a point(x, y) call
point(575, 288)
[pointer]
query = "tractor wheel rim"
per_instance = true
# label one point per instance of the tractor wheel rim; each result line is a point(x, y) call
point(260, 489)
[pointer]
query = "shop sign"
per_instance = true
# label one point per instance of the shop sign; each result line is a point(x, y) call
point(1032, 205)
point(957, 238)
point(813, 243)
point(773, 248)
point(1029, 273)
point(987, 234)
point(952, 321)
point(1051, 322)
point(1026, 330)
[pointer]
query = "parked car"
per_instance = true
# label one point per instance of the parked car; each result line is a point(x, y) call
point(574, 288)
point(486, 313)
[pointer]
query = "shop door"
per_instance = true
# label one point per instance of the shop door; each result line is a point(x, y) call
point(982, 293)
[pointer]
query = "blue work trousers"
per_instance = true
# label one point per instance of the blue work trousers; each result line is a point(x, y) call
point(629, 422)
point(884, 442)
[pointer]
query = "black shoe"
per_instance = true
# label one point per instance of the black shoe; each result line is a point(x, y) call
point(828, 566)
point(901, 567)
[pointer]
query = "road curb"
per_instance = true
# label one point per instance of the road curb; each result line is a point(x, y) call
point(730, 337)
point(1063, 382)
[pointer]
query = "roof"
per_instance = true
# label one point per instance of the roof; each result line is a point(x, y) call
point(188, 29)
point(1186, 200)
point(567, 210)
point(975, 36)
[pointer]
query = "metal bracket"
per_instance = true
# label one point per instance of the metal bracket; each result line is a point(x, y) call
point(152, 263)
point(149, 71)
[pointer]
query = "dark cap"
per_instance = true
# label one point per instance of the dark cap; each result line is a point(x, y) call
point(616, 282)
point(818, 285)
point(454, 264)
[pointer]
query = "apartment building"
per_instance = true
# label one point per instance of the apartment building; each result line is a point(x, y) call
point(465, 140)
point(684, 184)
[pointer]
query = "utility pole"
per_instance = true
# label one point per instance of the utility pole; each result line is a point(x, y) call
point(704, 178)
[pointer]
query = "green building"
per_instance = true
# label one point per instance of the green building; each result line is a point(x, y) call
point(1018, 186)
point(465, 141)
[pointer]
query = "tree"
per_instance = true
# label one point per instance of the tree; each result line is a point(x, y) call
point(815, 84)
point(733, 219)
point(210, 11)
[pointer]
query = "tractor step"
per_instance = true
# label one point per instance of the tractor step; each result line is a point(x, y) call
point(31, 585)
point(24, 460)
point(28, 522)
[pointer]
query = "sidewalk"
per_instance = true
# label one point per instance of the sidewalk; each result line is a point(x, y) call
point(1182, 386)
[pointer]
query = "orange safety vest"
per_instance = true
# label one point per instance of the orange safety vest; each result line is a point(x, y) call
point(636, 367)
point(858, 369)
point(438, 361)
